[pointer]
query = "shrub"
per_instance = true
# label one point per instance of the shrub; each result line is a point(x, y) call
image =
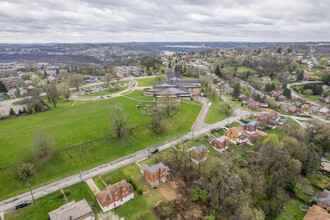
point(25, 170)
point(140, 191)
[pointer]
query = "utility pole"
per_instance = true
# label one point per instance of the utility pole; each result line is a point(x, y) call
point(81, 180)
point(34, 202)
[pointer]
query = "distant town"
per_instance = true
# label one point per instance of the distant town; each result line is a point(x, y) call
point(200, 130)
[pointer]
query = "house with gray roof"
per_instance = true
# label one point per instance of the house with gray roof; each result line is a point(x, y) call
point(156, 174)
point(73, 211)
point(198, 154)
point(323, 199)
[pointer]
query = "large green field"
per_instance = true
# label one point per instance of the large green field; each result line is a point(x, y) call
point(81, 133)
point(215, 113)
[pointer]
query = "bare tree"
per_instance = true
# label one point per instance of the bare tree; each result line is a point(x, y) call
point(76, 81)
point(52, 93)
point(158, 124)
point(42, 146)
point(65, 92)
point(34, 101)
point(111, 75)
point(119, 121)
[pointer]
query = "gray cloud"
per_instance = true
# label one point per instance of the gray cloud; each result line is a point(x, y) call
point(157, 20)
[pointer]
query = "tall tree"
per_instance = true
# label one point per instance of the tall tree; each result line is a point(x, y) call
point(65, 92)
point(237, 90)
point(287, 93)
point(308, 92)
point(218, 71)
point(42, 146)
point(76, 81)
point(119, 121)
point(52, 93)
point(3, 88)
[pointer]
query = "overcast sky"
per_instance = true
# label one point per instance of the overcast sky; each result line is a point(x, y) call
point(68, 21)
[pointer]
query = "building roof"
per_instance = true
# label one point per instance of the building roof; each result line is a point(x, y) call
point(154, 168)
point(253, 123)
point(199, 149)
point(70, 211)
point(324, 197)
point(222, 138)
point(173, 91)
point(106, 194)
point(324, 110)
point(317, 213)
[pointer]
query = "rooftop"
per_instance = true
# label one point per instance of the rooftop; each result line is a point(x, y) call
point(71, 210)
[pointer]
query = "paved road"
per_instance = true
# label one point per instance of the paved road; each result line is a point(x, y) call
point(294, 93)
point(116, 164)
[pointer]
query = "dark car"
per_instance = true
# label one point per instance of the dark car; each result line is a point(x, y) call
point(155, 150)
point(213, 130)
point(186, 140)
point(22, 204)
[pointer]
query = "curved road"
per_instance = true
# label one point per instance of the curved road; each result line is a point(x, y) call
point(198, 129)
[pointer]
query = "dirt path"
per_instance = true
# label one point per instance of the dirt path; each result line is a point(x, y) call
point(167, 192)
point(91, 184)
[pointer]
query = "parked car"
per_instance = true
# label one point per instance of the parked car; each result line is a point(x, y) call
point(22, 204)
point(213, 130)
point(155, 150)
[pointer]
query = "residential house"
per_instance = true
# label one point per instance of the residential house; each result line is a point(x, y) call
point(237, 135)
point(316, 213)
point(297, 104)
point(245, 100)
point(220, 144)
point(282, 120)
point(326, 99)
point(284, 107)
point(253, 105)
point(115, 195)
point(323, 199)
point(269, 120)
point(241, 96)
point(323, 110)
point(294, 110)
point(314, 109)
point(305, 107)
point(73, 211)
point(250, 127)
point(264, 105)
point(198, 154)
point(156, 174)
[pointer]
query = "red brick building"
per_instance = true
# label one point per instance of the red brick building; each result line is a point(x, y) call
point(115, 195)
point(220, 144)
point(155, 175)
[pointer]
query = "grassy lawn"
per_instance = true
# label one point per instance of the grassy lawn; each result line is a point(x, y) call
point(215, 114)
point(149, 81)
point(80, 133)
point(292, 211)
point(53, 201)
point(242, 69)
point(319, 180)
point(141, 205)
point(107, 91)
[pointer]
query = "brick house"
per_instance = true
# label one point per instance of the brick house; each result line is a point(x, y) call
point(115, 195)
point(250, 127)
point(220, 144)
point(294, 110)
point(198, 154)
point(73, 211)
point(236, 134)
point(253, 105)
point(156, 174)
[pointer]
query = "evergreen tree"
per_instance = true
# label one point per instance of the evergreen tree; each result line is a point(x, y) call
point(3, 88)
point(237, 91)
point(12, 112)
point(218, 71)
point(287, 93)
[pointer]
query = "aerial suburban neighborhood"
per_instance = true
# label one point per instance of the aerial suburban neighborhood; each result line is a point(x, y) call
point(183, 110)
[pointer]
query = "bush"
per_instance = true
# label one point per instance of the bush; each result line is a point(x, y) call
point(132, 183)
point(140, 191)
point(25, 170)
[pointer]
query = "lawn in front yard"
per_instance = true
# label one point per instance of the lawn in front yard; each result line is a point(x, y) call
point(292, 211)
point(141, 205)
point(215, 113)
point(53, 201)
